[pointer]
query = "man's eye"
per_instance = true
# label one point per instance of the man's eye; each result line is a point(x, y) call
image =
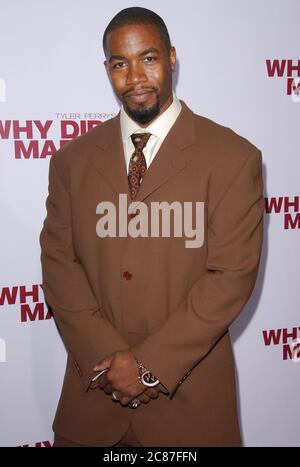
point(119, 65)
point(150, 59)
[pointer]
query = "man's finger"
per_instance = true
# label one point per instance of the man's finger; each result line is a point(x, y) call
point(125, 400)
point(144, 399)
point(104, 363)
point(102, 381)
point(152, 393)
point(108, 389)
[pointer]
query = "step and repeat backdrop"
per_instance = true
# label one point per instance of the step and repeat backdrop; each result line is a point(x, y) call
point(238, 64)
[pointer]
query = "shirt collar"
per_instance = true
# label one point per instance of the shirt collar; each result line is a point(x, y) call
point(159, 127)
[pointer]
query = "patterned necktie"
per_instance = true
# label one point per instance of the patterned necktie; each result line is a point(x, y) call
point(137, 164)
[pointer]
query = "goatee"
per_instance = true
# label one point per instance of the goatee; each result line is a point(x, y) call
point(143, 114)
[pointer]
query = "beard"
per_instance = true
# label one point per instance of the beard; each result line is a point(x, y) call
point(143, 114)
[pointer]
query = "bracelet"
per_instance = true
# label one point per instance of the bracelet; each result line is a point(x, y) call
point(141, 369)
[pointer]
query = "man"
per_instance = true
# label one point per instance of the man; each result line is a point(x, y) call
point(145, 317)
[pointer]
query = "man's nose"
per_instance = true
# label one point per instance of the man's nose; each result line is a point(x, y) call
point(136, 74)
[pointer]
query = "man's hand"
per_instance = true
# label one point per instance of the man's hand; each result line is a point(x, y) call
point(123, 377)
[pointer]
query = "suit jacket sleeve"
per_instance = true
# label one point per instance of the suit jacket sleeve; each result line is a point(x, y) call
point(234, 242)
point(87, 336)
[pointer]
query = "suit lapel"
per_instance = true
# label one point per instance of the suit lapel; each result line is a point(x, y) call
point(110, 160)
point(169, 160)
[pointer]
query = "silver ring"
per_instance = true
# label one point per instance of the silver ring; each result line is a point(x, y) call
point(134, 404)
point(116, 396)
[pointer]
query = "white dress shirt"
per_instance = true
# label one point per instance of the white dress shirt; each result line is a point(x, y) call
point(159, 129)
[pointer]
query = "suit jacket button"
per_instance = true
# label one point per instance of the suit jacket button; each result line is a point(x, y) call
point(127, 275)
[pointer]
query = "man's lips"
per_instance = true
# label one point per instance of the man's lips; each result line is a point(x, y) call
point(139, 96)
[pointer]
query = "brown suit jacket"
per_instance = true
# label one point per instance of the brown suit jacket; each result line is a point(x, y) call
point(174, 308)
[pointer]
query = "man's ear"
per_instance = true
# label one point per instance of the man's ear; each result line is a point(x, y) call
point(105, 63)
point(172, 58)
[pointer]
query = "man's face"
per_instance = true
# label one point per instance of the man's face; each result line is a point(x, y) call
point(140, 70)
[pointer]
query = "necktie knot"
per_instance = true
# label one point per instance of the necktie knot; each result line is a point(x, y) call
point(140, 140)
